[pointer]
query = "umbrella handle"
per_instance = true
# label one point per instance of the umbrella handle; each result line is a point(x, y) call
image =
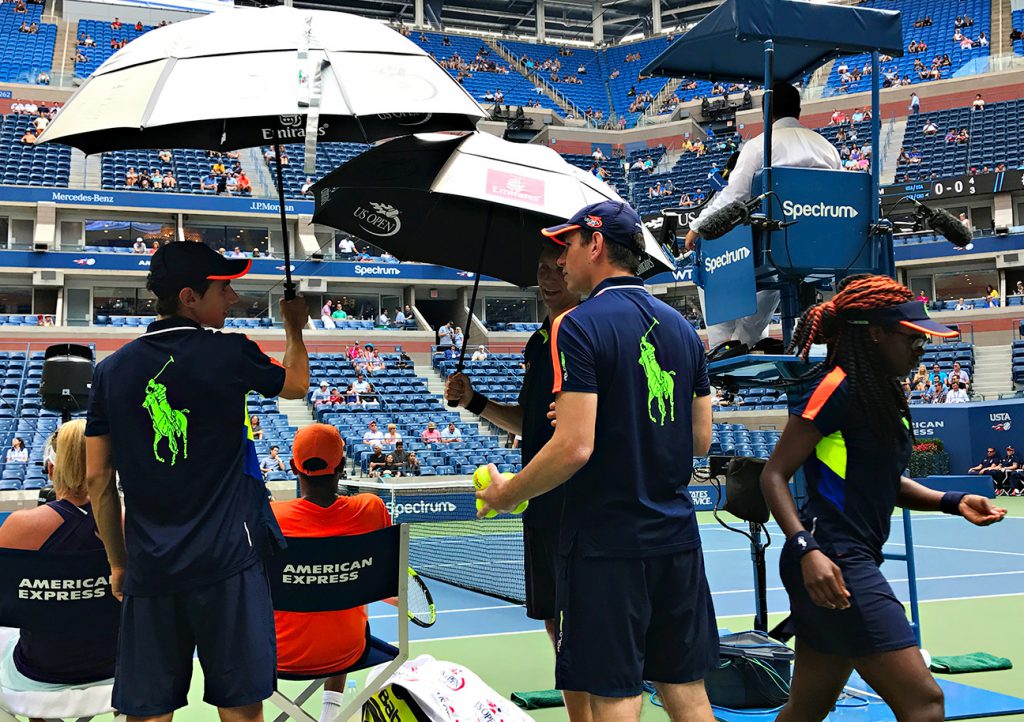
point(289, 285)
point(472, 304)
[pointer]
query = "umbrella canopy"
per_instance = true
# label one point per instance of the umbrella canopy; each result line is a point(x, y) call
point(246, 77)
point(727, 45)
point(474, 202)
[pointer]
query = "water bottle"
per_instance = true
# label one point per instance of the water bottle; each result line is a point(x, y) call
point(351, 692)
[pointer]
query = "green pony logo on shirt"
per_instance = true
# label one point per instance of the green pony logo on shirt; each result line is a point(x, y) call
point(660, 384)
point(168, 423)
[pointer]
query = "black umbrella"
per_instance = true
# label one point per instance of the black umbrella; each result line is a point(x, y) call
point(474, 202)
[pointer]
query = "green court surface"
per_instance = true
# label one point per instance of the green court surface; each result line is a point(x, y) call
point(983, 615)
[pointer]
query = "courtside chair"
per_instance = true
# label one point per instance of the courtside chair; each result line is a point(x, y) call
point(69, 569)
point(386, 578)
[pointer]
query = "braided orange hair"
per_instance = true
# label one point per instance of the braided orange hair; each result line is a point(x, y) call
point(819, 323)
point(850, 346)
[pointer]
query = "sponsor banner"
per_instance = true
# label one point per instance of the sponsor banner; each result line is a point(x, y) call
point(704, 496)
point(942, 249)
point(726, 272)
point(22, 260)
point(967, 430)
point(151, 200)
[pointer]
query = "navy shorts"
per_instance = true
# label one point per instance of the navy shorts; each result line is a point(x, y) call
point(875, 622)
point(230, 624)
point(540, 549)
point(622, 621)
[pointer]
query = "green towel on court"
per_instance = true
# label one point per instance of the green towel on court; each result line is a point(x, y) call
point(539, 699)
point(974, 662)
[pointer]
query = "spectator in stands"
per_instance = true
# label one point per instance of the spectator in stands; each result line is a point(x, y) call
point(138, 26)
point(272, 462)
point(154, 248)
point(936, 394)
point(165, 156)
point(346, 249)
point(431, 435)
point(957, 394)
point(598, 154)
point(915, 104)
point(17, 454)
point(115, 24)
point(1019, 289)
point(43, 78)
point(411, 465)
point(29, 138)
point(392, 437)
point(451, 435)
point(979, 103)
point(339, 313)
point(373, 435)
point(960, 375)
point(65, 657)
point(170, 183)
point(139, 246)
point(400, 317)
point(321, 396)
point(242, 183)
point(305, 190)
point(208, 183)
point(990, 464)
point(376, 460)
point(1016, 34)
point(907, 389)
point(480, 354)
point(920, 376)
point(937, 375)
point(982, 40)
point(960, 305)
point(157, 178)
point(457, 337)
point(930, 128)
point(991, 297)
point(963, 136)
point(256, 427)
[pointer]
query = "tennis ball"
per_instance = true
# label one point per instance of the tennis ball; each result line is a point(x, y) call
point(482, 479)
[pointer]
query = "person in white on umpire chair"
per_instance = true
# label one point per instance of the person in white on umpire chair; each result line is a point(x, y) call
point(793, 146)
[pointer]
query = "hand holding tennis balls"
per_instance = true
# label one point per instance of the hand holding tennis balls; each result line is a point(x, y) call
point(489, 484)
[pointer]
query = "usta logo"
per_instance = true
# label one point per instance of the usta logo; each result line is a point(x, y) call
point(1001, 421)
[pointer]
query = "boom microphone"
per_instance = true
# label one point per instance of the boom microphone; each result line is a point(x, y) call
point(943, 223)
point(728, 217)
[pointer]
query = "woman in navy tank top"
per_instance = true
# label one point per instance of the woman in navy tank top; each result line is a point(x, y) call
point(64, 525)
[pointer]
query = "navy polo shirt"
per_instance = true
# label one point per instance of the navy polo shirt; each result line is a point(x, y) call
point(853, 476)
point(646, 364)
point(535, 398)
point(173, 403)
point(987, 461)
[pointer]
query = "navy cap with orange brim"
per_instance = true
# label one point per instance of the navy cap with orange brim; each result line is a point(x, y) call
point(182, 264)
point(912, 314)
point(616, 220)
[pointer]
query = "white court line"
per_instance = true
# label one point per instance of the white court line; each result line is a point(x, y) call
point(919, 579)
point(456, 611)
point(960, 549)
point(719, 617)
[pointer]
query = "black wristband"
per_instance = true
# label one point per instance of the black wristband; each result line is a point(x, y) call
point(478, 404)
point(805, 542)
point(950, 503)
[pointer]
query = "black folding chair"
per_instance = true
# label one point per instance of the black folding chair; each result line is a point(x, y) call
point(313, 575)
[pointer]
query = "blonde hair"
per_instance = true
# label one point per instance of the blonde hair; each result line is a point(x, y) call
point(69, 471)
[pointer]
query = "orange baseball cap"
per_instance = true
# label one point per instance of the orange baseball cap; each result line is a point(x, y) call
point(318, 450)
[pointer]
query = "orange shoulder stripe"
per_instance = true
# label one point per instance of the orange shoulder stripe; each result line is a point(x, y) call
point(556, 363)
point(821, 394)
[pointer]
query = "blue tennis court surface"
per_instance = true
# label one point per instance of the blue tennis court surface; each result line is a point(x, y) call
point(955, 560)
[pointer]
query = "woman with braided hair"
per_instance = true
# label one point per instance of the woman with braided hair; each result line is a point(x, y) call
point(851, 433)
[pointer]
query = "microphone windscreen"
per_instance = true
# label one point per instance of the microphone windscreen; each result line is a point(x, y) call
point(724, 220)
point(951, 228)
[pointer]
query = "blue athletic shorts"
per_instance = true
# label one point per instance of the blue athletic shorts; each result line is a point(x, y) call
point(623, 621)
point(875, 622)
point(230, 624)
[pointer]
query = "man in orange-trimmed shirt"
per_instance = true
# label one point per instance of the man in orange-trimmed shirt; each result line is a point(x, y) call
point(322, 642)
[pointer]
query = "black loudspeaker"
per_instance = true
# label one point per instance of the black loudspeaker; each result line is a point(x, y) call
point(67, 377)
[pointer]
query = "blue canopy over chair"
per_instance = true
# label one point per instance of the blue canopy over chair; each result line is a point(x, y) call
point(728, 44)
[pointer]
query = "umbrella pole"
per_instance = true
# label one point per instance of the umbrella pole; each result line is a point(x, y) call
point(472, 300)
point(289, 285)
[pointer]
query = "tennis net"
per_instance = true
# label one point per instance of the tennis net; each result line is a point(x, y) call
point(446, 540)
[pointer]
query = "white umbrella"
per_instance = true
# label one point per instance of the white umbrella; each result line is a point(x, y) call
point(246, 77)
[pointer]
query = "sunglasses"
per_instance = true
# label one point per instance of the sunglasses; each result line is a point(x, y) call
point(917, 341)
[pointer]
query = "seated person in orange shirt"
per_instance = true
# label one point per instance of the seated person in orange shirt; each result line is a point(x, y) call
point(322, 642)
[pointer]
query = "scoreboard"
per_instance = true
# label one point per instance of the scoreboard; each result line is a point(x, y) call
point(955, 187)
